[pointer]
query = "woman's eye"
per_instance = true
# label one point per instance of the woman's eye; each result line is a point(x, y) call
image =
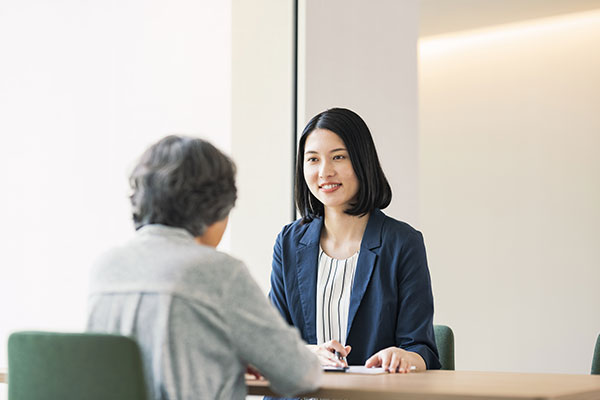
point(311, 159)
point(339, 157)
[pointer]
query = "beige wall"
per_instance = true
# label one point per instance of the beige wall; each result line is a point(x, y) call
point(510, 191)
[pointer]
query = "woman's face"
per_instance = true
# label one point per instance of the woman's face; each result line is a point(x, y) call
point(328, 171)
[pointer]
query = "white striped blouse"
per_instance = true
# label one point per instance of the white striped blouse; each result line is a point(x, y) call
point(334, 286)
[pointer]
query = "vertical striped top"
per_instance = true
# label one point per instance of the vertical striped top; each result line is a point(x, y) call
point(334, 286)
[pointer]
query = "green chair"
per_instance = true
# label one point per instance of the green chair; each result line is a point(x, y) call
point(74, 366)
point(444, 338)
point(596, 359)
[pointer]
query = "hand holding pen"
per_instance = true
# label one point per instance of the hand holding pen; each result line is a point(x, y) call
point(331, 353)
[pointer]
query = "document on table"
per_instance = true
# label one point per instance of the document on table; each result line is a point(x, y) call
point(361, 369)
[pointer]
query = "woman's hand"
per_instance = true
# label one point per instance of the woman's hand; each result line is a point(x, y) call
point(395, 359)
point(326, 353)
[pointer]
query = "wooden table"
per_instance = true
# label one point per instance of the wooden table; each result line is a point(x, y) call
point(451, 385)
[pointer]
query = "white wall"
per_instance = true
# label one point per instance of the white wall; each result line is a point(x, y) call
point(262, 122)
point(510, 193)
point(84, 88)
point(362, 55)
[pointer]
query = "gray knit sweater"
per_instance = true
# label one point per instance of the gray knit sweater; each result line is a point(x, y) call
point(199, 318)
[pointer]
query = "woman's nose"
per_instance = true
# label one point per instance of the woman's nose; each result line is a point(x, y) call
point(326, 170)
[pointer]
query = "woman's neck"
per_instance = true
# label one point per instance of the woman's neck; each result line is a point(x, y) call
point(342, 233)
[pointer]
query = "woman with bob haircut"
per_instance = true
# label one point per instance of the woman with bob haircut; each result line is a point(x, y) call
point(354, 281)
point(198, 316)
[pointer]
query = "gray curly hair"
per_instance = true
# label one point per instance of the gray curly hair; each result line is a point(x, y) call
point(182, 182)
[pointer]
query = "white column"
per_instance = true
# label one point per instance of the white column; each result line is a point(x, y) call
point(262, 67)
point(362, 55)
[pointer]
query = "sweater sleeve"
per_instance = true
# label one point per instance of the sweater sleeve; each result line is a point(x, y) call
point(264, 340)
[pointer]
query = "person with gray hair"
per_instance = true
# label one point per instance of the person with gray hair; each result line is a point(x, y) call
point(197, 314)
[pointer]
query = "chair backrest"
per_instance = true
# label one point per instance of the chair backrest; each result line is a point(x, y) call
point(444, 338)
point(70, 366)
point(596, 359)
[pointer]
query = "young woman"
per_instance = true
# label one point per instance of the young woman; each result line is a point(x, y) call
point(351, 279)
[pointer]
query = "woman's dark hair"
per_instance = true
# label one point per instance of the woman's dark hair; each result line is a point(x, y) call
point(374, 190)
point(182, 182)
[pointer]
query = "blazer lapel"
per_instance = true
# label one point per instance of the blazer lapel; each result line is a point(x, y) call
point(366, 262)
point(307, 257)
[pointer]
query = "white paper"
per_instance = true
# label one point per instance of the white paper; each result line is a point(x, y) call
point(361, 369)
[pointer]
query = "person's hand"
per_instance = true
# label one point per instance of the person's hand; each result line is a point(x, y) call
point(326, 353)
point(395, 359)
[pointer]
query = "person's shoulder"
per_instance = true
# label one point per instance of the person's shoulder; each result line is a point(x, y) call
point(295, 229)
point(111, 261)
point(394, 228)
point(206, 273)
point(206, 257)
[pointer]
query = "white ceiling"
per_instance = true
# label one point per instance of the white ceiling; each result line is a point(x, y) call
point(443, 16)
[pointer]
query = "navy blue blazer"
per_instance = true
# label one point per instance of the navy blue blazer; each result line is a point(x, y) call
point(391, 303)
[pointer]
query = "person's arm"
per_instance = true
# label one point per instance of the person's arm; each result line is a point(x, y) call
point(264, 340)
point(415, 340)
point(414, 329)
point(277, 293)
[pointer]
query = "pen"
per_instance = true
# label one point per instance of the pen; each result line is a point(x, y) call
point(341, 357)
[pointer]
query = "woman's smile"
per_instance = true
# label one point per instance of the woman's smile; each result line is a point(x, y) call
point(329, 187)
